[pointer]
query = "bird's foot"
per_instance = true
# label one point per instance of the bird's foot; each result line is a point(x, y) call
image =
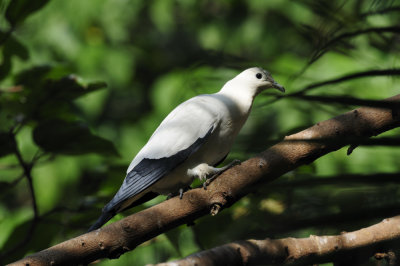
point(209, 180)
point(231, 164)
point(180, 193)
point(219, 171)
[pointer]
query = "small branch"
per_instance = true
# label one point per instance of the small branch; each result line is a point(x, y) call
point(300, 251)
point(28, 174)
point(346, 35)
point(381, 11)
point(117, 238)
point(378, 178)
point(356, 75)
point(27, 168)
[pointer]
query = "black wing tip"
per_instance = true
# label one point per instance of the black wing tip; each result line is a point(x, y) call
point(104, 217)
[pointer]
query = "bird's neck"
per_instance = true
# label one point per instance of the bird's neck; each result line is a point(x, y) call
point(241, 96)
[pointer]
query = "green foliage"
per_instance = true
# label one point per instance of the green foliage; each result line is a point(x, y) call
point(6, 144)
point(156, 54)
point(59, 136)
point(18, 10)
point(12, 48)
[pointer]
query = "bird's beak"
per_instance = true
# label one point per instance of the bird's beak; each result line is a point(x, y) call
point(278, 86)
point(275, 84)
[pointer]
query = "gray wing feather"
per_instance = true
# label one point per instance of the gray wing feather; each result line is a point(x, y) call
point(149, 171)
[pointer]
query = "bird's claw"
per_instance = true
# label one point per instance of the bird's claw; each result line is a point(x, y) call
point(221, 170)
point(235, 162)
point(209, 180)
point(180, 193)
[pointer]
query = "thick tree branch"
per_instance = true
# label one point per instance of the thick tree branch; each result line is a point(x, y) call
point(298, 149)
point(300, 251)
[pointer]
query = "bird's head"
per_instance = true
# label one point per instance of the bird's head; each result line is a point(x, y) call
point(259, 79)
point(250, 83)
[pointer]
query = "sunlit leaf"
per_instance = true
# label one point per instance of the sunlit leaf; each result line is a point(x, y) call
point(70, 138)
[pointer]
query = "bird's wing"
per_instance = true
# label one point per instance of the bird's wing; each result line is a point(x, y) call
point(181, 134)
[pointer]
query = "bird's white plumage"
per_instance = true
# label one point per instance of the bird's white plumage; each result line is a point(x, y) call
point(202, 129)
point(180, 129)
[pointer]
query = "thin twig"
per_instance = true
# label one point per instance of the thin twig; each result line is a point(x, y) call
point(322, 50)
point(356, 75)
point(310, 181)
point(27, 168)
point(346, 35)
point(381, 11)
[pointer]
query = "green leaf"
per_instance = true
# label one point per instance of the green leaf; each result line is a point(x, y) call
point(12, 47)
point(49, 93)
point(54, 83)
point(32, 77)
point(68, 88)
point(42, 237)
point(173, 237)
point(63, 137)
point(96, 86)
point(6, 144)
point(5, 66)
point(18, 10)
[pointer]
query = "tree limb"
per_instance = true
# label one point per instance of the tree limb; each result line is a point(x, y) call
point(299, 251)
point(298, 149)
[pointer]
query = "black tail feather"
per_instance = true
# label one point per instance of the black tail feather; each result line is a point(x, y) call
point(110, 210)
point(104, 217)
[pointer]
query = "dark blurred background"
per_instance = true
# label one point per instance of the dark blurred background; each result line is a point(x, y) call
point(75, 137)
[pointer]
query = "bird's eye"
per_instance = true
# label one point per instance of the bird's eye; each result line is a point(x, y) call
point(259, 75)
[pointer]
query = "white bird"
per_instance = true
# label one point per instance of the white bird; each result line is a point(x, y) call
point(195, 137)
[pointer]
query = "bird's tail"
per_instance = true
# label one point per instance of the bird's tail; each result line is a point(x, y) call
point(104, 217)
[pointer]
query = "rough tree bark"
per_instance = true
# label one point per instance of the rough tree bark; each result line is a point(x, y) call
point(299, 251)
point(301, 148)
